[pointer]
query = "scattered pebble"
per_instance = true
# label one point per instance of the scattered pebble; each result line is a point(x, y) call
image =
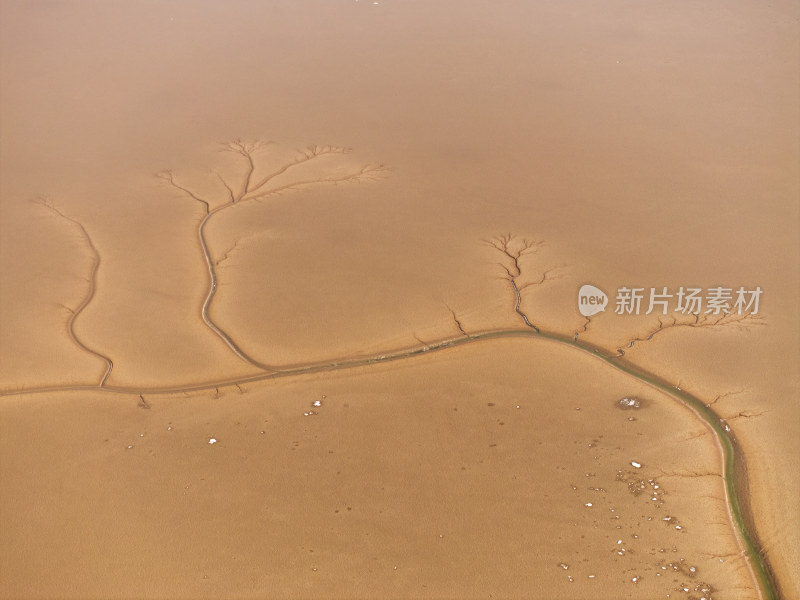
point(629, 403)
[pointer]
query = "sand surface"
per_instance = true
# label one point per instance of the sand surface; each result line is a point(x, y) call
point(643, 145)
point(502, 469)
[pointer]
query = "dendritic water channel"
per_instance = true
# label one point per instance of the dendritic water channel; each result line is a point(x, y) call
point(256, 183)
point(254, 186)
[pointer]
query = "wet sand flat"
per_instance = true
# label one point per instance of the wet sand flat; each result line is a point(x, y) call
point(194, 196)
point(439, 477)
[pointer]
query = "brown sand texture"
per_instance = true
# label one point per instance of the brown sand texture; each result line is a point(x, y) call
point(254, 258)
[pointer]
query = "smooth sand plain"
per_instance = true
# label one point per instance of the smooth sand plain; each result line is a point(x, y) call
point(505, 468)
point(650, 145)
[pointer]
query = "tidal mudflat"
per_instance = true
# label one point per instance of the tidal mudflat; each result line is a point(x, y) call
point(290, 300)
point(504, 468)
